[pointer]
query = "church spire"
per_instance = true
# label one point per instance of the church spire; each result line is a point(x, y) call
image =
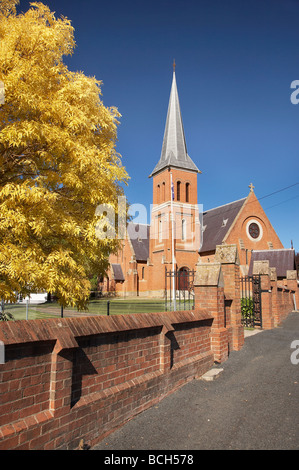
point(174, 149)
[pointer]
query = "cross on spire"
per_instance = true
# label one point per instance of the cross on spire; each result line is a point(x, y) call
point(251, 187)
point(174, 65)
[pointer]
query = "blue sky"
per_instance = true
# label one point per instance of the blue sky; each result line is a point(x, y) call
point(235, 60)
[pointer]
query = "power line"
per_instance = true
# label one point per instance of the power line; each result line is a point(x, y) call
point(282, 202)
point(163, 231)
point(279, 190)
point(259, 199)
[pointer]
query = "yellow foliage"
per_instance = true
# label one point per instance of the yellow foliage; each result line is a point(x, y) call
point(58, 160)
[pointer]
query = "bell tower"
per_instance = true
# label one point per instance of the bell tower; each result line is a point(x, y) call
point(175, 229)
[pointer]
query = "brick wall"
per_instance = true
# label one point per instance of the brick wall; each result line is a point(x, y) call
point(69, 379)
point(278, 297)
point(284, 303)
point(80, 378)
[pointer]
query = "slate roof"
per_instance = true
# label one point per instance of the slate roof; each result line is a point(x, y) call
point(139, 235)
point(281, 259)
point(174, 149)
point(217, 222)
point(117, 272)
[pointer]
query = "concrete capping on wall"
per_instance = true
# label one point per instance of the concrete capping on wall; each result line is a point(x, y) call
point(65, 330)
point(209, 274)
point(261, 267)
point(227, 254)
point(292, 274)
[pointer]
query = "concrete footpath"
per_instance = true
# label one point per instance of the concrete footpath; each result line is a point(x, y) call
point(252, 403)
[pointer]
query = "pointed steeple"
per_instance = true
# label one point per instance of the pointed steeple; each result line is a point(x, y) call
point(174, 149)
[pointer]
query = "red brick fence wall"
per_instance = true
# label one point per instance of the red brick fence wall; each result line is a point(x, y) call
point(68, 379)
point(279, 297)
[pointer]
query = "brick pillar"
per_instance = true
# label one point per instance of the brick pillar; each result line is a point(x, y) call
point(61, 373)
point(263, 268)
point(275, 299)
point(292, 284)
point(209, 295)
point(165, 350)
point(227, 255)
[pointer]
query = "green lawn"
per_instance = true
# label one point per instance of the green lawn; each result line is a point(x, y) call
point(19, 312)
point(96, 307)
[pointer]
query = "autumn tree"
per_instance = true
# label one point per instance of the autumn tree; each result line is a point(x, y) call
point(58, 160)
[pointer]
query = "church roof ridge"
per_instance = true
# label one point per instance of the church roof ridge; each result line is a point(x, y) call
point(227, 204)
point(276, 249)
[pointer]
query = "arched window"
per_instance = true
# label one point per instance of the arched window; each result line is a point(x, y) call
point(187, 191)
point(158, 193)
point(142, 273)
point(183, 229)
point(178, 191)
point(163, 191)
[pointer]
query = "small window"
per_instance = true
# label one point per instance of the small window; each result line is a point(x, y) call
point(254, 230)
point(163, 191)
point(142, 273)
point(158, 193)
point(187, 191)
point(178, 191)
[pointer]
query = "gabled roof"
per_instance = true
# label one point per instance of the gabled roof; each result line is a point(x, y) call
point(139, 235)
point(174, 149)
point(217, 222)
point(281, 259)
point(117, 272)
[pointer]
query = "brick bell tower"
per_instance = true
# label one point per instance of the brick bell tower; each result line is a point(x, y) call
point(175, 226)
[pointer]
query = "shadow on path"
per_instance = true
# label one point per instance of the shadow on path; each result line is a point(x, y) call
point(252, 404)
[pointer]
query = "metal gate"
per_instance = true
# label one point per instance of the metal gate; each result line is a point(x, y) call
point(179, 289)
point(251, 300)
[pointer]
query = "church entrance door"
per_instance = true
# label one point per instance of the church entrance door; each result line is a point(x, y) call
point(183, 279)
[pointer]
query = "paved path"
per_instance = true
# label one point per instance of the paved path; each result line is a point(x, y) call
point(252, 404)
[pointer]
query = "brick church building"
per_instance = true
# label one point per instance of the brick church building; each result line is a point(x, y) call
point(179, 235)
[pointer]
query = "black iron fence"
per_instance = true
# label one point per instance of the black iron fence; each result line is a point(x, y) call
point(178, 295)
point(102, 306)
point(179, 289)
point(251, 305)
